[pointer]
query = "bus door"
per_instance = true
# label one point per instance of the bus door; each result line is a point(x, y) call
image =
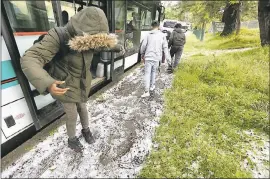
point(101, 61)
point(117, 25)
point(24, 22)
point(110, 64)
point(139, 17)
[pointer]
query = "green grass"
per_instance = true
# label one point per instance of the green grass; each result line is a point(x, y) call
point(212, 101)
point(246, 38)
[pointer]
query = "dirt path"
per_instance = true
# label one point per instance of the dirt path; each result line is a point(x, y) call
point(123, 125)
point(214, 52)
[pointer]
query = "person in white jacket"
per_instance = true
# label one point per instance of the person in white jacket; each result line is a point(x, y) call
point(151, 51)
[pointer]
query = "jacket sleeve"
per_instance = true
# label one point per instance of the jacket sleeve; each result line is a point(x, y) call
point(171, 40)
point(165, 49)
point(143, 46)
point(36, 57)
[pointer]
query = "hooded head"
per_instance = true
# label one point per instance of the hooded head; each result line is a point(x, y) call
point(90, 20)
point(91, 30)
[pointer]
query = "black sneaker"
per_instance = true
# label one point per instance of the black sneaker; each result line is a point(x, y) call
point(88, 136)
point(75, 144)
point(169, 71)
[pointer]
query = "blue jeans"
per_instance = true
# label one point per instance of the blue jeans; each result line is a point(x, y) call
point(150, 69)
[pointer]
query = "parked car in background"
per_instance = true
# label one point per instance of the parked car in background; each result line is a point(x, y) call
point(167, 26)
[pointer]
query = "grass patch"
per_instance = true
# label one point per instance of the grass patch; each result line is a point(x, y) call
point(198, 55)
point(212, 101)
point(246, 38)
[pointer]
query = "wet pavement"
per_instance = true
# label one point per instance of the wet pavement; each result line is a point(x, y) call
point(123, 125)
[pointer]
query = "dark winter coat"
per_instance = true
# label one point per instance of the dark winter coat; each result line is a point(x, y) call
point(177, 38)
point(88, 32)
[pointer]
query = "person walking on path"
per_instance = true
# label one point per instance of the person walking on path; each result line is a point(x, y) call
point(69, 78)
point(151, 53)
point(177, 41)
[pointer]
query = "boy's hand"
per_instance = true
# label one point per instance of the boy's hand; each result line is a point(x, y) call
point(53, 89)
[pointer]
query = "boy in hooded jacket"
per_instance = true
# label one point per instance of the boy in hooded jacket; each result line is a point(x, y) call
point(69, 78)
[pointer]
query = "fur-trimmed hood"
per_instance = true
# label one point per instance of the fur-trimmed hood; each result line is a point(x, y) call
point(88, 42)
point(90, 20)
point(90, 30)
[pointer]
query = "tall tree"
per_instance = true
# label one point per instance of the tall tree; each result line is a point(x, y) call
point(203, 12)
point(238, 17)
point(236, 10)
point(231, 11)
point(264, 21)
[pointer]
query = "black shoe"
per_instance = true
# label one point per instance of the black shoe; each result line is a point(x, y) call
point(75, 144)
point(88, 136)
point(170, 68)
point(170, 71)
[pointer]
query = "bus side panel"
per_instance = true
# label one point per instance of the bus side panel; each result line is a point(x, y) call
point(3, 138)
point(131, 60)
point(8, 75)
point(11, 94)
point(144, 34)
point(10, 87)
point(117, 64)
point(15, 117)
point(24, 43)
point(15, 113)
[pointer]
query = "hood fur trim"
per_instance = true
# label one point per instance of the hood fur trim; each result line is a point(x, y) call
point(88, 42)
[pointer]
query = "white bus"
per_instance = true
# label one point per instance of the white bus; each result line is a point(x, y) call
point(24, 111)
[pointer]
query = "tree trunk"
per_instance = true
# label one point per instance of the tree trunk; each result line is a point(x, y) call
point(264, 21)
point(203, 30)
point(238, 18)
point(229, 19)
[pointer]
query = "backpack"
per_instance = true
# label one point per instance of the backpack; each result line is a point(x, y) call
point(64, 49)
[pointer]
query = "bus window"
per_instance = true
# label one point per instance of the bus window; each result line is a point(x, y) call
point(133, 18)
point(30, 16)
point(157, 14)
point(120, 21)
point(133, 31)
point(146, 20)
point(69, 8)
point(29, 20)
point(97, 3)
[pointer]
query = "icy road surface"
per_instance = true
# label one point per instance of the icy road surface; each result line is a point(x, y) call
point(123, 125)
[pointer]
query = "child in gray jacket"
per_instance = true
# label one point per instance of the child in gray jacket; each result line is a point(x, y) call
point(151, 51)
